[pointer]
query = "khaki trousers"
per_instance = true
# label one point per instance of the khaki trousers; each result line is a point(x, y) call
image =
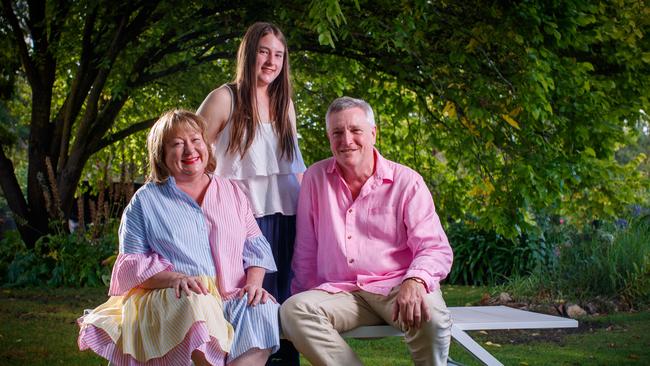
point(312, 320)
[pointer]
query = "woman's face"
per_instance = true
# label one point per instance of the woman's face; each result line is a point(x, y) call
point(186, 154)
point(270, 58)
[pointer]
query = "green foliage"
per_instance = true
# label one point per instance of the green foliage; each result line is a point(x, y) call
point(603, 260)
point(505, 109)
point(487, 258)
point(72, 260)
point(10, 247)
point(631, 257)
point(607, 261)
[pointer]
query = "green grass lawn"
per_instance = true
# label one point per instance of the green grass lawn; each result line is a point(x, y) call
point(38, 327)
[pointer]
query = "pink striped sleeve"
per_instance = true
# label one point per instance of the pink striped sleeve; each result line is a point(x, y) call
point(130, 270)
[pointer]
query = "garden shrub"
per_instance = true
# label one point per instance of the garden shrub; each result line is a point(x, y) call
point(486, 258)
point(603, 260)
point(606, 260)
point(63, 259)
point(10, 246)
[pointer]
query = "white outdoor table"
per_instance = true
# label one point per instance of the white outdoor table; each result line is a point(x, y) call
point(477, 318)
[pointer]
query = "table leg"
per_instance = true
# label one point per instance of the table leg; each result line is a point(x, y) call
point(474, 348)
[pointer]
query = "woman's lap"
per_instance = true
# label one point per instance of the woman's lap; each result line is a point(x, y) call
point(255, 326)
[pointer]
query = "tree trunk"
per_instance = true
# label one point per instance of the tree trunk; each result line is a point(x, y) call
point(37, 178)
point(69, 179)
point(16, 200)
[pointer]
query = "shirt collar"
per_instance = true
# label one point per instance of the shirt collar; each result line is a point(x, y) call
point(383, 170)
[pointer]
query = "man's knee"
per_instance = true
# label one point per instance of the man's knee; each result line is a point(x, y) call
point(293, 312)
point(439, 325)
point(288, 309)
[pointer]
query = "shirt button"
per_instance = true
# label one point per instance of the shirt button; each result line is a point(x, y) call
point(351, 261)
point(350, 210)
point(349, 236)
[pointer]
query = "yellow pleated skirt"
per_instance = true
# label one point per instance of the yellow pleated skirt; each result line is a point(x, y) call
point(147, 324)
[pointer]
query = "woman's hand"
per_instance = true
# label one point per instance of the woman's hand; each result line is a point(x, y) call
point(256, 294)
point(178, 281)
point(253, 287)
point(188, 284)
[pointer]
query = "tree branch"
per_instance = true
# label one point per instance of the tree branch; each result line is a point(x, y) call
point(38, 26)
point(148, 77)
point(104, 121)
point(27, 62)
point(124, 34)
point(80, 86)
point(136, 127)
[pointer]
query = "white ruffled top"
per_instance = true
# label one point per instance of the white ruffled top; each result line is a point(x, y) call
point(268, 180)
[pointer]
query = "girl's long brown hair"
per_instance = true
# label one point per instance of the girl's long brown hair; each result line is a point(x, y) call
point(245, 119)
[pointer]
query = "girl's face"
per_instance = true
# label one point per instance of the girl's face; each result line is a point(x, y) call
point(270, 58)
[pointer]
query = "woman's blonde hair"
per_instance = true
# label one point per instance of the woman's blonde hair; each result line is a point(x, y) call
point(162, 130)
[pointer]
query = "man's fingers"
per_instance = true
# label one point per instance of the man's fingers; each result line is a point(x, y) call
point(425, 312)
point(409, 316)
point(395, 311)
point(417, 320)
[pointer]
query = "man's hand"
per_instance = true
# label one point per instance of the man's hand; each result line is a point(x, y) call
point(409, 304)
point(256, 294)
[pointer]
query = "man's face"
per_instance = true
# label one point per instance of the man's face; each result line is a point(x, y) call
point(352, 139)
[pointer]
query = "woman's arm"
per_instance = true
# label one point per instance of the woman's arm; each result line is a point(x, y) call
point(178, 281)
point(292, 119)
point(216, 109)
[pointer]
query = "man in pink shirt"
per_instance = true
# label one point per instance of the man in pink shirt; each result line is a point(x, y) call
point(369, 249)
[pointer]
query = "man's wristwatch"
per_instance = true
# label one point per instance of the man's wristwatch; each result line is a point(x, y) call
point(418, 280)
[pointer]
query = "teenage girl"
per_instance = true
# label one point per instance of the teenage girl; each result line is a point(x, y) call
point(252, 125)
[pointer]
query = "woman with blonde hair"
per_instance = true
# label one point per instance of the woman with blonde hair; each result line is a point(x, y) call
point(252, 125)
point(187, 283)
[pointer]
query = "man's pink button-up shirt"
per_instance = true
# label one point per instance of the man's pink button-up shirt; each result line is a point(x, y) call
point(390, 232)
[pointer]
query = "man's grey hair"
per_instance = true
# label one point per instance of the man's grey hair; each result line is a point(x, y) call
point(343, 103)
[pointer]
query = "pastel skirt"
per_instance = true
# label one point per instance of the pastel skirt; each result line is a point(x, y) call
point(154, 327)
point(255, 326)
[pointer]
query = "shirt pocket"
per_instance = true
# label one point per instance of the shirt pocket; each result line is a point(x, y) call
point(382, 223)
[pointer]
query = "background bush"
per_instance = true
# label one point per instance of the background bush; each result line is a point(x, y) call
point(486, 258)
point(74, 260)
point(602, 260)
